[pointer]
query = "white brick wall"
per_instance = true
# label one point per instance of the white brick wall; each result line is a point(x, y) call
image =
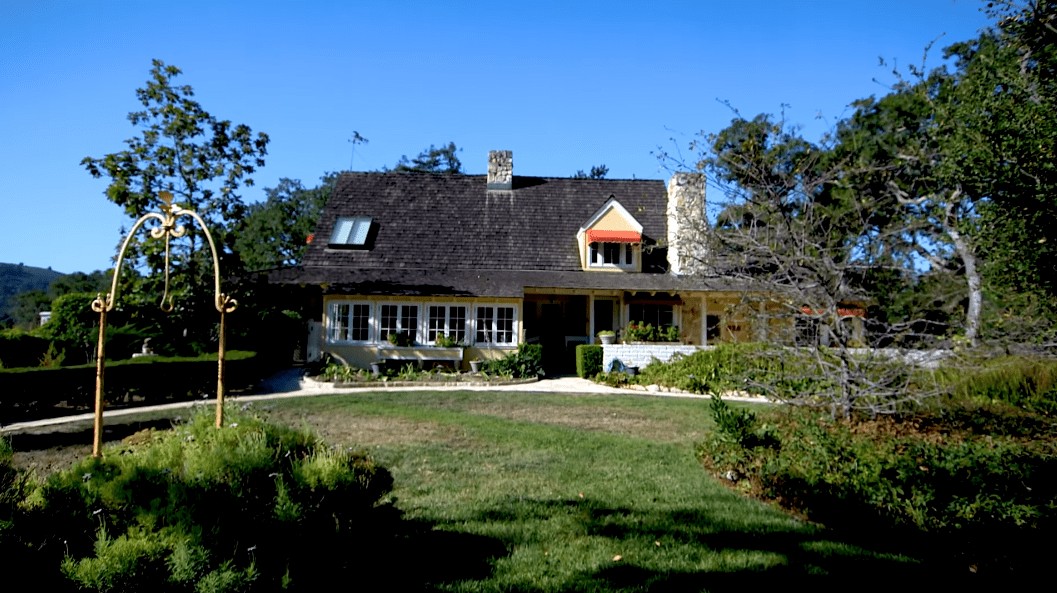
point(640, 355)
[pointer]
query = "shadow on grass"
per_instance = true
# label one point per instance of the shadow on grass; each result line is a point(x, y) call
point(872, 557)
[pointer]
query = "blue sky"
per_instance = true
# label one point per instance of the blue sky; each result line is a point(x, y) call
point(565, 85)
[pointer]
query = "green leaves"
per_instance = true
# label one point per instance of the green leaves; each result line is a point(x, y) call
point(202, 161)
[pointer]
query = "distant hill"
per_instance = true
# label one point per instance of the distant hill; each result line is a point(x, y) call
point(17, 278)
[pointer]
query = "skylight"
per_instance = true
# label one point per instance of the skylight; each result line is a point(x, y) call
point(351, 230)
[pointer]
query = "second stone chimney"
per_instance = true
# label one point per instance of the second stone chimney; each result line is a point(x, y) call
point(687, 224)
point(500, 169)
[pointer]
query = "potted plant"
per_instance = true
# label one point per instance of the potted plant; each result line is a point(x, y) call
point(444, 341)
point(400, 339)
point(607, 336)
point(475, 365)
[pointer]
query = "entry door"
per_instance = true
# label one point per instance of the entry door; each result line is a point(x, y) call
point(552, 337)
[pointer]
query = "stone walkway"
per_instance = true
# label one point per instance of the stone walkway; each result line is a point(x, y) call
point(289, 383)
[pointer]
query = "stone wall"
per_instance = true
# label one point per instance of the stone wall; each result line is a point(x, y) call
point(640, 355)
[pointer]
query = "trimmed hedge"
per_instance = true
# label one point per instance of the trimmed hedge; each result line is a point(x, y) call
point(20, 349)
point(588, 360)
point(34, 392)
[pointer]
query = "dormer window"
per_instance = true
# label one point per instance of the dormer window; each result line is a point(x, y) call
point(611, 240)
point(350, 231)
point(612, 255)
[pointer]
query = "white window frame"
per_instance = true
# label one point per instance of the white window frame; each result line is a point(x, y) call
point(402, 324)
point(447, 328)
point(339, 328)
point(596, 255)
point(492, 340)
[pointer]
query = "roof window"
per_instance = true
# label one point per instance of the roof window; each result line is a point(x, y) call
point(351, 231)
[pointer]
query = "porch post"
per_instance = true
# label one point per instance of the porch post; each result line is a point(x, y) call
point(704, 319)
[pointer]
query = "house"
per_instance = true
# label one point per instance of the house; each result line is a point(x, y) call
point(499, 260)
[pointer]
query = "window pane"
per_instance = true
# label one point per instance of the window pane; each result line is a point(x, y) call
point(457, 323)
point(505, 325)
point(359, 233)
point(390, 321)
point(653, 314)
point(436, 323)
point(342, 229)
point(361, 323)
point(629, 254)
point(339, 314)
point(409, 320)
point(484, 324)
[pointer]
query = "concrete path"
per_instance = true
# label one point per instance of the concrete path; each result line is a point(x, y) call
point(289, 383)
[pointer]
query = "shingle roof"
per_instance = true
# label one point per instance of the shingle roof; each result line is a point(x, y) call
point(489, 283)
point(447, 235)
point(452, 222)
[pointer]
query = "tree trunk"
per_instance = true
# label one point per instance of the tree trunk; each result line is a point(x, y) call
point(972, 316)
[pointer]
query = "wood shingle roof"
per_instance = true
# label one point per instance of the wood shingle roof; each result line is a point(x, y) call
point(452, 222)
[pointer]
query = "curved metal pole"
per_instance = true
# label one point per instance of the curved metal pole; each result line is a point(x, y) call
point(224, 304)
point(103, 304)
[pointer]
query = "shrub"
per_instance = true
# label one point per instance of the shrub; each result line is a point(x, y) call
point(639, 332)
point(211, 509)
point(979, 494)
point(588, 360)
point(20, 349)
point(526, 362)
point(1028, 383)
point(722, 368)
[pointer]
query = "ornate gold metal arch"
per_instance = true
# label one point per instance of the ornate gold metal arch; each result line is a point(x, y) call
point(103, 304)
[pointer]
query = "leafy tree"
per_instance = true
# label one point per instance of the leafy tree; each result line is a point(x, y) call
point(28, 306)
point(801, 239)
point(598, 172)
point(968, 157)
point(202, 161)
point(433, 160)
point(98, 281)
point(73, 322)
point(274, 232)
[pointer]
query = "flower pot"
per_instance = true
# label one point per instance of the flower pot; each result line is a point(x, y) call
point(475, 365)
point(608, 339)
point(376, 368)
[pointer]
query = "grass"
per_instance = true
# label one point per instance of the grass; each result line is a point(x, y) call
point(533, 492)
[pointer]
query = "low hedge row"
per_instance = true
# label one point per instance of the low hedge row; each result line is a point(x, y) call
point(588, 360)
point(36, 392)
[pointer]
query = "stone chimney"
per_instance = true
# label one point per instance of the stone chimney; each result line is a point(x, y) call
point(687, 224)
point(501, 169)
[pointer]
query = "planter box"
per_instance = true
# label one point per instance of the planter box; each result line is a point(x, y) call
point(419, 353)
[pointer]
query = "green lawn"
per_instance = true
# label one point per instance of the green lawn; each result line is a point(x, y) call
point(543, 492)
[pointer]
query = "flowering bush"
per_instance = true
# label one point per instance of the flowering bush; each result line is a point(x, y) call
point(639, 332)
